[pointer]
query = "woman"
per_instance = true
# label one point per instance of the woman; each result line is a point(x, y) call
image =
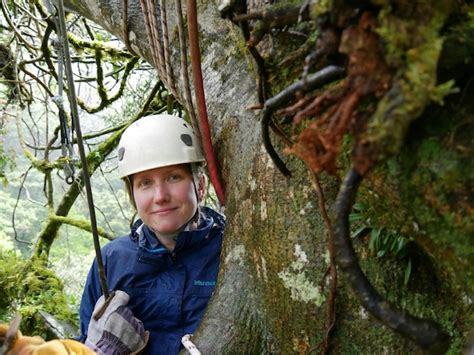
point(169, 262)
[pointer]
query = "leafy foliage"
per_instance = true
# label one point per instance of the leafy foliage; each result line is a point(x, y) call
point(28, 287)
point(382, 241)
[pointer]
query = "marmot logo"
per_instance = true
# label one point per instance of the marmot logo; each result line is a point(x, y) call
point(204, 283)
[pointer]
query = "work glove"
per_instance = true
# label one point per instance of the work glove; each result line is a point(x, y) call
point(12, 342)
point(113, 329)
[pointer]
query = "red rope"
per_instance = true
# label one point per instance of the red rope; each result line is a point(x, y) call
point(201, 101)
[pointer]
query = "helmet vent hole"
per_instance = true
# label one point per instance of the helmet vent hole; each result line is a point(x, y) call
point(185, 125)
point(121, 153)
point(187, 139)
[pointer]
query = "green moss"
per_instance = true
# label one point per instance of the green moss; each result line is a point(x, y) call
point(80, 45)
point(414, 48)
point(425, 194)
point(28, 287)
point(425, 296)
point(83, 224)
point(396, 33)
point(319, 8)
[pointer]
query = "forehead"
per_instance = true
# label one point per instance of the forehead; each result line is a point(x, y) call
point(172, 169)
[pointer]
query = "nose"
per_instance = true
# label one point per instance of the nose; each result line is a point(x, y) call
point(161, 194)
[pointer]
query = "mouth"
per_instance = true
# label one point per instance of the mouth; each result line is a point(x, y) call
point(164, 211)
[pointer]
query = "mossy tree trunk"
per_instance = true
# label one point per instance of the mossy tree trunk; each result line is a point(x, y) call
point(50, 230)
point(273, 289)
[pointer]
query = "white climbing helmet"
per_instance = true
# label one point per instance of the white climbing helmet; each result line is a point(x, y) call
point(156, 141)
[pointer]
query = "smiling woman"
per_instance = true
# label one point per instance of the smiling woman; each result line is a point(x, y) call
point(162, 275)
point(167, 200)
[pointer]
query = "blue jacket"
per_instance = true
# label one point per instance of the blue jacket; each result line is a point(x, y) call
point(168, 291)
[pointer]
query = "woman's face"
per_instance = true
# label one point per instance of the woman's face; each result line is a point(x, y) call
point(165, 197)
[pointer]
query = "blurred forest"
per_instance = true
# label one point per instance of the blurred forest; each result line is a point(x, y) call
point(23, 213)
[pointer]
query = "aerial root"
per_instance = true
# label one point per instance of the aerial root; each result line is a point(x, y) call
point(426, 333)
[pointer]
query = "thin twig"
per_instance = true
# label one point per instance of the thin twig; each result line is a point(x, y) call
point(113, 192)
point(13, 27)
point(25, 174)
point(331, 304)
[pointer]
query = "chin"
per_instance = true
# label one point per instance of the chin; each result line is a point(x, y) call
point(167, 230)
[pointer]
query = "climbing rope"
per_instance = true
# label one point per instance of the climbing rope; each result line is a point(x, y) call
point(162, 60)
point(189, 345)
point(184, 72)
point(152, 31)
point(201, 100)
point(66, 132)
point(60, 16)
point(166, 47)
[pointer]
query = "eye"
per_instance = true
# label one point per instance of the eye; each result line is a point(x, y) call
point(143, 183)
point(174, 177)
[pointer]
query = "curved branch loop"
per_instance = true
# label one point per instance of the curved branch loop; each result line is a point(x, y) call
point(426, 333)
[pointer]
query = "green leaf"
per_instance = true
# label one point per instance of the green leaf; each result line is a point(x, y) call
point(401, 244)
point(393, 242)
point(355, 217)
point(361, 232)
point(358, 207)
point(407, 272)
point(375, 239)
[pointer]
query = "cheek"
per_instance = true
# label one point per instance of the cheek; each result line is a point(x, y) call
point(187, 194)
point(141, 199)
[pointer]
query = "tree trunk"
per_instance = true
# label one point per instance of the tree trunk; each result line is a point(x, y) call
point(273, 290)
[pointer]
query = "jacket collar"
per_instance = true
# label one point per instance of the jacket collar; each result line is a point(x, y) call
point(148, 241)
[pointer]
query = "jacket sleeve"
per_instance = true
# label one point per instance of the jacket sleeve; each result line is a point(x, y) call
point(90, 296)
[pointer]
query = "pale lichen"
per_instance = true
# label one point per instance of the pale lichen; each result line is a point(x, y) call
point(263, 211)
point(252, 184)
point(236, 255)
point(295, 279)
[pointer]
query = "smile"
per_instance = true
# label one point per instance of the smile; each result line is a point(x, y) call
point(164, 211)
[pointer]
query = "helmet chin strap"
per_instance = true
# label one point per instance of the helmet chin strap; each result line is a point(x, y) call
point(185, 227)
